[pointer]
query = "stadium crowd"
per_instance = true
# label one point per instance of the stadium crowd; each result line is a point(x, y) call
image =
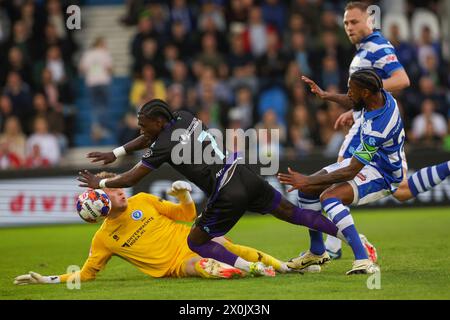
point(235, 64)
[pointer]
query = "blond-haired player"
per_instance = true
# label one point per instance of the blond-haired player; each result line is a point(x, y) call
point(143, 230)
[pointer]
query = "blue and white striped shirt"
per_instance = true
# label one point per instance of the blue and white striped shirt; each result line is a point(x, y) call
point(382, 138)
point(374, 51)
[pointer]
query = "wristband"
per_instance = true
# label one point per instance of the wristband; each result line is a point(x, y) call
point(102, 183)
point(120, 151)
point(52, 279)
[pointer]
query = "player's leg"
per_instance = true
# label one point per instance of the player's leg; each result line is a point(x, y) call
point(253, 255)
point(335, 201)
point(209, 268)
point(422, 181)
point(263, 198)
point(216, 220)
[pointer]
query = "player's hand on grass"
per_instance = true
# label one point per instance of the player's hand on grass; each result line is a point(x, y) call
point(88, 180)
point(35, 278)
point(315, 88)
point(345, 119)
point(294, 179)
point(181, 190)
point(106, 157)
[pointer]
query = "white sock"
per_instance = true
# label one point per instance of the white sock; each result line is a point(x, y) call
point(284, 268)
point(333, 244)
point(242, 264)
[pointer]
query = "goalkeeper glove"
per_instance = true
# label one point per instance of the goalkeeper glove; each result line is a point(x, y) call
point(181, 190)
point(35, 278)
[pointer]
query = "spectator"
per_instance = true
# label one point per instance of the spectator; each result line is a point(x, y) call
point(299, 53)
point(14, 138)
point(240, 62)
point(129, 129)
point(209, 56)
point(272, 65)
point(54, 118)
point(20, 95)
point(96, 65)
point(179, 75)
point(300, 131)
point(176, 97)
point(405, 51)
point(256, 34)
point(268, 144)
point(330, 72)
point(133, 7)
point(42, 147)
point(146, 87)
point(237, 13)
point(145, 31)
point(149, 54)
point(21, 39)
point(182, 39)
point(208, 79)
point(243, 109)
point(171, 55)
point(182, 13)
point(56, 65)
point(310, 13)
point(330, 47)
point(429, 127)
point(8, 159)
point(211, 12)
point(6, 110)
point(17, 63)
point(159, 14)
point(217, 109)
point(56, 17)
point(274, 13)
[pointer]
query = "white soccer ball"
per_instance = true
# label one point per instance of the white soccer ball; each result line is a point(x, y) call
point(93, 205)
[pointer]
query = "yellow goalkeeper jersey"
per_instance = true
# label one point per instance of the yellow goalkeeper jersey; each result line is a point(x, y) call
point(146, 235)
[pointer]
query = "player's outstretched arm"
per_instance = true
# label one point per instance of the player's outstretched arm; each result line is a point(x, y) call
point(341, 99)
point(139, 143)
point(124, 180)
point(302, 182)
point(36, 278)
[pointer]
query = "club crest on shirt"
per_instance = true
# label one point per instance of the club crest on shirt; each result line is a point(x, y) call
point(137, 215)
point(367, 126)
point(148, 153)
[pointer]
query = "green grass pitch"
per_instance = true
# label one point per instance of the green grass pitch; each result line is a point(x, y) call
point(413, 247)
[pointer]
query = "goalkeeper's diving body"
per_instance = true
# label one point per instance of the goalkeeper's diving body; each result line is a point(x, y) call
point(143, 230)
point(232, 187)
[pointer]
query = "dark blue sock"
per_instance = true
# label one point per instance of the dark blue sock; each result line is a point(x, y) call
point(306, 201)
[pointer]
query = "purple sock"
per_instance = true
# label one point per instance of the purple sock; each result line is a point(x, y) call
point(213, 250)
point(312, 220)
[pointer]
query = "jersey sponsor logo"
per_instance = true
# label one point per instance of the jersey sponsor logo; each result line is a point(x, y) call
point(361, 176)
point(391, 58)
point(137, 215)
point(138, 233)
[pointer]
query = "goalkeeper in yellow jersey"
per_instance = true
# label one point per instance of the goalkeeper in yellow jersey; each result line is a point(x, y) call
point(142, 230)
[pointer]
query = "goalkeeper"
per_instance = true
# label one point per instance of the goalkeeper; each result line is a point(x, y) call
point(143, 231)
